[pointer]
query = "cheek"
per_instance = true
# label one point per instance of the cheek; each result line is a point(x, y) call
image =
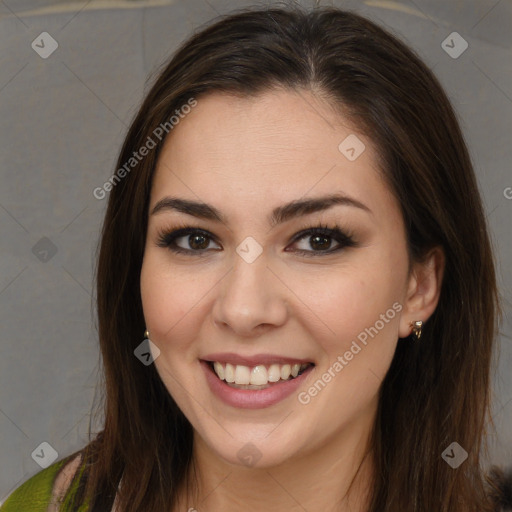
point(165, 300)
point(363, 312)
point(352, 301)
point(174, 301)
point(360, 303)
point(165, 303)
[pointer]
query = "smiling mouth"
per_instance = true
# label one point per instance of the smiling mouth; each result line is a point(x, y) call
point(256, 377)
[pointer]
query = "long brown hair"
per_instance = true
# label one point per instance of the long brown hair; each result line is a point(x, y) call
point(436, 391)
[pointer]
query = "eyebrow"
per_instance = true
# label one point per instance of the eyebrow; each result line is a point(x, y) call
point(279, 214)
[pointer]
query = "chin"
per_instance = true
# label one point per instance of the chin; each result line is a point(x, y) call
point(253, 446)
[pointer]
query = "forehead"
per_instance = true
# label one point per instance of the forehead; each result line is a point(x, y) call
point(274, 147)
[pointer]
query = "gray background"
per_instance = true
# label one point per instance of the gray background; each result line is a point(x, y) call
point(62, 122)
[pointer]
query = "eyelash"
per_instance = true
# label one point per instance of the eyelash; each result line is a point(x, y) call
point(167, 238)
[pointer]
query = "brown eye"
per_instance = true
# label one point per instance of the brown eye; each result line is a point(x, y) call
point(198, 242)
point(186, 240)
point(318, 241)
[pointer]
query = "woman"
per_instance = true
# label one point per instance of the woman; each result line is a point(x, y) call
point(296, 228)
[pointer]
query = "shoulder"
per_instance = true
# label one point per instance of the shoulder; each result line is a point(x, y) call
point(40, 492)
point(63, 480)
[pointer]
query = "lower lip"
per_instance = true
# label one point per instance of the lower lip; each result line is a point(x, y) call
point(250, 398)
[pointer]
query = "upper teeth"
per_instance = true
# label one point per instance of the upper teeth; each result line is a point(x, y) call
point(256, 375)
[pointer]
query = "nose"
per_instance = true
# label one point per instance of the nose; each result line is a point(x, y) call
point(250, 298)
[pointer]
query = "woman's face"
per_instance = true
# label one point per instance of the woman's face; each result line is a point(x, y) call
point(253, 295)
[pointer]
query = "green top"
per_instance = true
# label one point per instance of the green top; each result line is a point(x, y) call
point(36, 493)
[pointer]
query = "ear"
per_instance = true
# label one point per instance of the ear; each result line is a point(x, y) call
point(423, 290)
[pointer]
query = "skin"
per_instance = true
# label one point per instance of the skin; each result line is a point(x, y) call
point(246, 156)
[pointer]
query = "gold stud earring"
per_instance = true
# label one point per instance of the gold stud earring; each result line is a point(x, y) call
point(146, 334)
point(416, 328)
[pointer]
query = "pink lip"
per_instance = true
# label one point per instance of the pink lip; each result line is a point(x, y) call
point(266, 359)
point(249, 398)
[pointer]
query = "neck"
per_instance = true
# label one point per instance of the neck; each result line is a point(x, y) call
point(334, 476)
